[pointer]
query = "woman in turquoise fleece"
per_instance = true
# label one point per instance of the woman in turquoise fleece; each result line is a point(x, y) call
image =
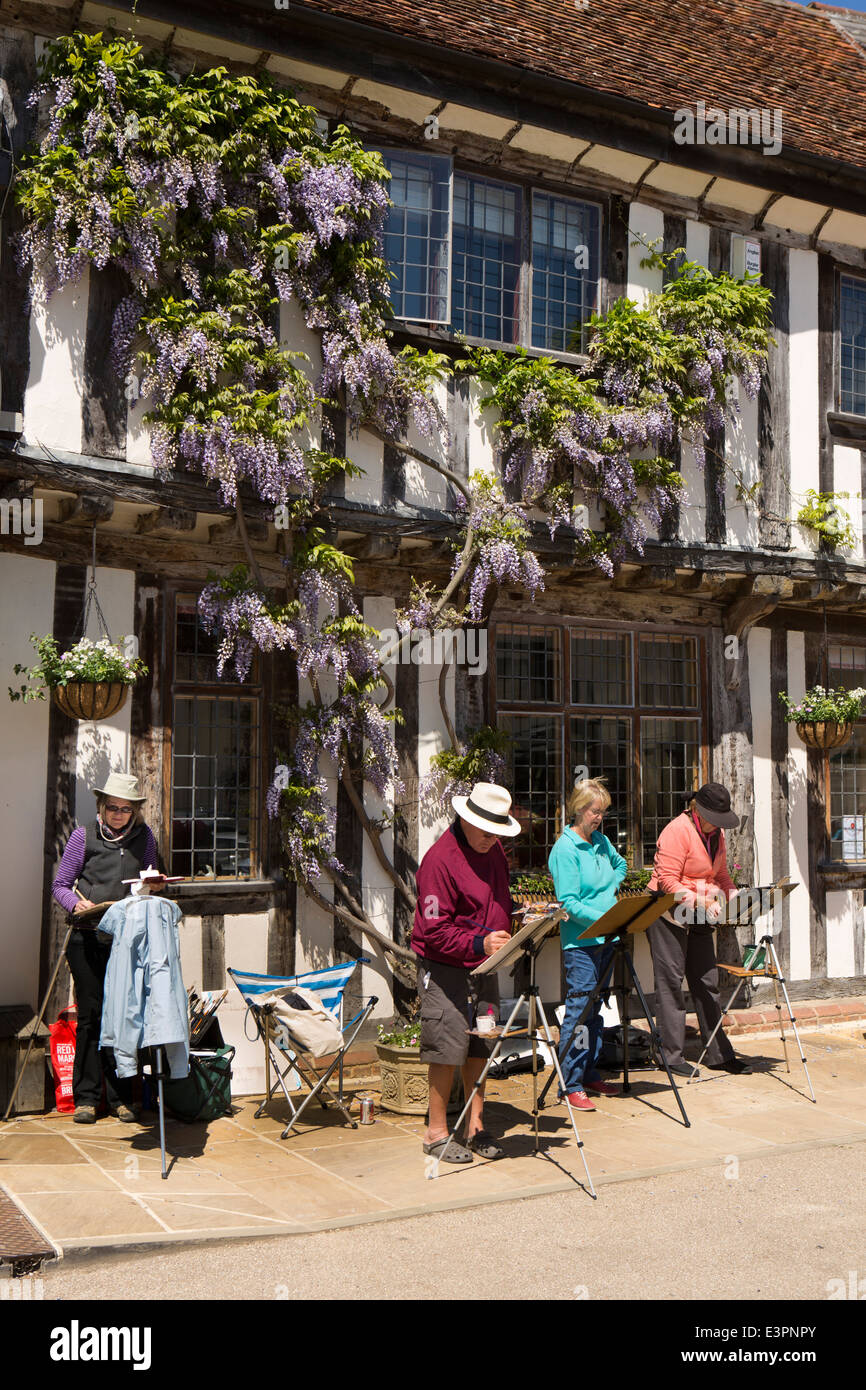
point(587, 872)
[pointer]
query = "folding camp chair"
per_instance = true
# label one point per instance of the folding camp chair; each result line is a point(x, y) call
point(761, 963)
point(284, 1052)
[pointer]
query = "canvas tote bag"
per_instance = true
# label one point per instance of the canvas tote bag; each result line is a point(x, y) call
point(304, 1017)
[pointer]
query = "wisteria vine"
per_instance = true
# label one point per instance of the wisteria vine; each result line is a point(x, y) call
point(221, 201)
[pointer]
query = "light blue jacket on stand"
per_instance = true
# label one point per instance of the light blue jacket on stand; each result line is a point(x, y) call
point(144, 1000)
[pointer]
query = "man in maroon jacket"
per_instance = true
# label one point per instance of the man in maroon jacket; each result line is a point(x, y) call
point(463, 914)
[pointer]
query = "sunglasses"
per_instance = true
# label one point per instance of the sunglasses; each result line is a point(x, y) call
point(119, 810)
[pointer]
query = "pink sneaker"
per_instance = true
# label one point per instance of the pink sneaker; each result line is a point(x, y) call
point(579, 1100)
point(602, 1088)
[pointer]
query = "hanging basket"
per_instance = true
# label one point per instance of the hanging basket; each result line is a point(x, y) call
point(824, 735)
point(91, 700)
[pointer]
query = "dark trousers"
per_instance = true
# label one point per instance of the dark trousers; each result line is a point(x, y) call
point(88, 958)
point(677, 952)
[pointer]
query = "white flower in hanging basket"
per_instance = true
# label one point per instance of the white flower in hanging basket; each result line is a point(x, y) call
point(89, 681)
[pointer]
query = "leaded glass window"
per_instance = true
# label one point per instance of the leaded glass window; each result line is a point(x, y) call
point(852, 346)
point(215, 750)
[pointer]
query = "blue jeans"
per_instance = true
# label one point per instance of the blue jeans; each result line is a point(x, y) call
point(584, 966)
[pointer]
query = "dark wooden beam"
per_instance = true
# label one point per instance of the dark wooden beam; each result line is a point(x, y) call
point(773, 407)
point(166, 519)
point(816, 815)
point(227, 531)
point(103, 403)
point(60, 808)
point(780, 806)
point(86, 508)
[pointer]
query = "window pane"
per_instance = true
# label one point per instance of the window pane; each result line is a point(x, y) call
point(416, 245)
point(600, 667)
point(566, 263)
point(215, 791)
point(486, 259)
point(604, 748)
point(848, 797)
point(668, 669)
point(852, 346)
point(847, 667)
point(536, 787)
point(195, 651)
point(670, 773)
point(527, 664)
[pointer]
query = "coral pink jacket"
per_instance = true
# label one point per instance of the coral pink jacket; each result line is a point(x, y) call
point(683, 863)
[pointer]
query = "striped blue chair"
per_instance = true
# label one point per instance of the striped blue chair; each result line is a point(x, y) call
point(284, 1053)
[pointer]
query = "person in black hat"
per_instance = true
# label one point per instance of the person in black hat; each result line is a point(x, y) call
point(691, 861)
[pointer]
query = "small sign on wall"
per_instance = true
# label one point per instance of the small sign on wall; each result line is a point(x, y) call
point(852, 837)
point(745, 257)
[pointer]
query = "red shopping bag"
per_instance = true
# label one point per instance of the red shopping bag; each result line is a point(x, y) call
point(62, 1034)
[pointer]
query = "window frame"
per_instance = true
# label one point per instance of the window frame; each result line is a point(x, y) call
point(439, 333)
point(840, 862)
point(253, 689)
point(634, 713)
point(837, 343)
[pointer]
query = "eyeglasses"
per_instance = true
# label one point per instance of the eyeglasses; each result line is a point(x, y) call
point(119, 810)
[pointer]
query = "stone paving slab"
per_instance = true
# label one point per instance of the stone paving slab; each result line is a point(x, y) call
point(101, 1186)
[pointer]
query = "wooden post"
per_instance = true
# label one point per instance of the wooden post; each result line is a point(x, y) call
point(69, 587)
point(780, 809)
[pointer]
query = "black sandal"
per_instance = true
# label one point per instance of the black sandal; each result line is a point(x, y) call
point(484, 1145)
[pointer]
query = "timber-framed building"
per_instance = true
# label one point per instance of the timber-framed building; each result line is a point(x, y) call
point(513, 133)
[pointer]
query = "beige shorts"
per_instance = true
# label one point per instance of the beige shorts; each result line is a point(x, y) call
point(450, 997)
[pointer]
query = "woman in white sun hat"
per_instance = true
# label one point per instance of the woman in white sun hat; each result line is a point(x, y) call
point(463, 915)
point(117, 845)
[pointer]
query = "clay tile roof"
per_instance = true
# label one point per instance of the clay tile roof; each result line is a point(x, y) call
point(665, 53)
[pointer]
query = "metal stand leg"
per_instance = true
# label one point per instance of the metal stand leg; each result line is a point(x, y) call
point(654, 1033)
point(781, 980)
point(534, 1002)
point(709, 1042)
point(479, 1083)
point(549, 1040)
point(600, 990)
point(160, 1055)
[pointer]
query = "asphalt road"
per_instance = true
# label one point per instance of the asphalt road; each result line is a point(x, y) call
point(781, 1228)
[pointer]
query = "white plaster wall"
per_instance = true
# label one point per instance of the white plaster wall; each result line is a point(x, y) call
point(103, 746)
point(847, 478)
point(841, 926)
point(246, 948)
point(52, 400)
point(743, 459)
point(803, 374)
point(367, 451)
point(137, 432)
point(801, 960)
point(693, 516)
point(697, 242)
point(425, 487)
point(432, 738)
point(481, 438)
point(377, 890)
point(759, 681)
point(648, 224)
point(26, 605)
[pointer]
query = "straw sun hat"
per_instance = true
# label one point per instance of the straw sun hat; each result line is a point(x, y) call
point(487, 807)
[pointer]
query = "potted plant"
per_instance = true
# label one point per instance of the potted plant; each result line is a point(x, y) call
point(531, 887)
point(89, 681)
point(824, 718)
point(635, 883)
point(404, 1076)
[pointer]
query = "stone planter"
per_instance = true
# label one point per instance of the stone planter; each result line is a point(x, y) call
point(404, 1081)
point(91, 700)
point(820, 735)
